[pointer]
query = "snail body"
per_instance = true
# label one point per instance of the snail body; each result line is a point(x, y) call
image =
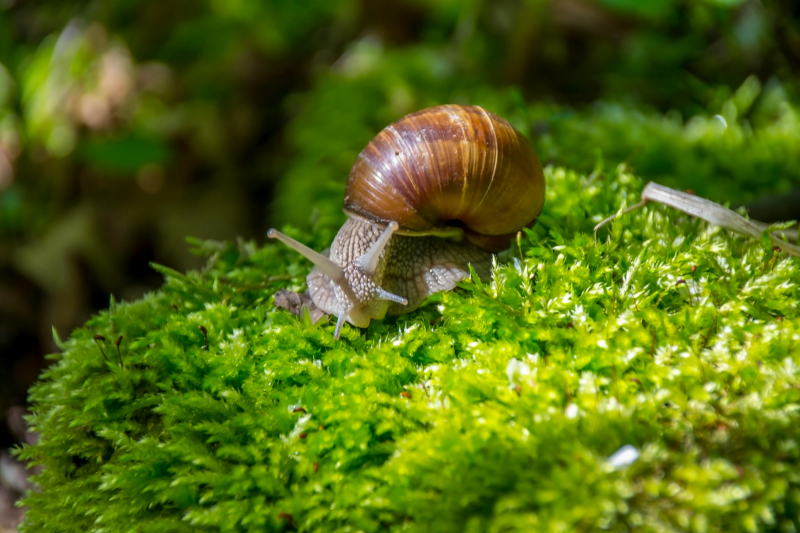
point(432, 193)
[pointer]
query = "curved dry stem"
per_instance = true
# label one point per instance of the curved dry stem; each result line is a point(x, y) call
point(707, 210)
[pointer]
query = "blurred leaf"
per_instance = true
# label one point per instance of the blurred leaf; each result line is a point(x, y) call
point(125, 155)
point(653, 9)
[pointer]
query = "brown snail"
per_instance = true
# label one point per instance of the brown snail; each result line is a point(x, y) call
point(432, 193)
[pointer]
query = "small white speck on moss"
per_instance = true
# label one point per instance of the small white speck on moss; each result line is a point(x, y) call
point(516, 367)
point(571, 411)
point(623, 457)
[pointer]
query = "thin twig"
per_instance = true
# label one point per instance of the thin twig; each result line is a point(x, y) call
point(97, 339)
point(205, 335)
point(119, 340)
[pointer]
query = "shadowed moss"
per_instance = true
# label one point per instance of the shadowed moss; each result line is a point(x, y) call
point(494, 407)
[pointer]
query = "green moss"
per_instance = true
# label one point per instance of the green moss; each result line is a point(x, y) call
point(494, 407)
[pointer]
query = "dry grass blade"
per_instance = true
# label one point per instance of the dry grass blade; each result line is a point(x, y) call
point(707, 210)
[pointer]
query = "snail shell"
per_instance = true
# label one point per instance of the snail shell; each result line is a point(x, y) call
point(449, 166)
point(430, 195)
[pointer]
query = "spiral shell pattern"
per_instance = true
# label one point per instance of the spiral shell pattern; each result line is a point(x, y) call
point(449, 165)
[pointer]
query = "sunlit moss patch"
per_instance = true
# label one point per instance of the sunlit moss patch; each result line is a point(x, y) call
point(647, 380)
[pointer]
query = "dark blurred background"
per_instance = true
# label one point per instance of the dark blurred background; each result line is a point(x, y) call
point(128, 125)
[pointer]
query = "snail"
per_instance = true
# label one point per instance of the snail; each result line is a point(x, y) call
point(434, 192)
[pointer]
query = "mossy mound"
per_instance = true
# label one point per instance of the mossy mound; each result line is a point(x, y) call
point(495, 407)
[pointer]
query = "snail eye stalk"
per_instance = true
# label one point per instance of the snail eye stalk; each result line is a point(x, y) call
point(369, 261)
point(328, 267)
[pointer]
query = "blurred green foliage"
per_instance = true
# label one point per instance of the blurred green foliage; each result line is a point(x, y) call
point(127, 125)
